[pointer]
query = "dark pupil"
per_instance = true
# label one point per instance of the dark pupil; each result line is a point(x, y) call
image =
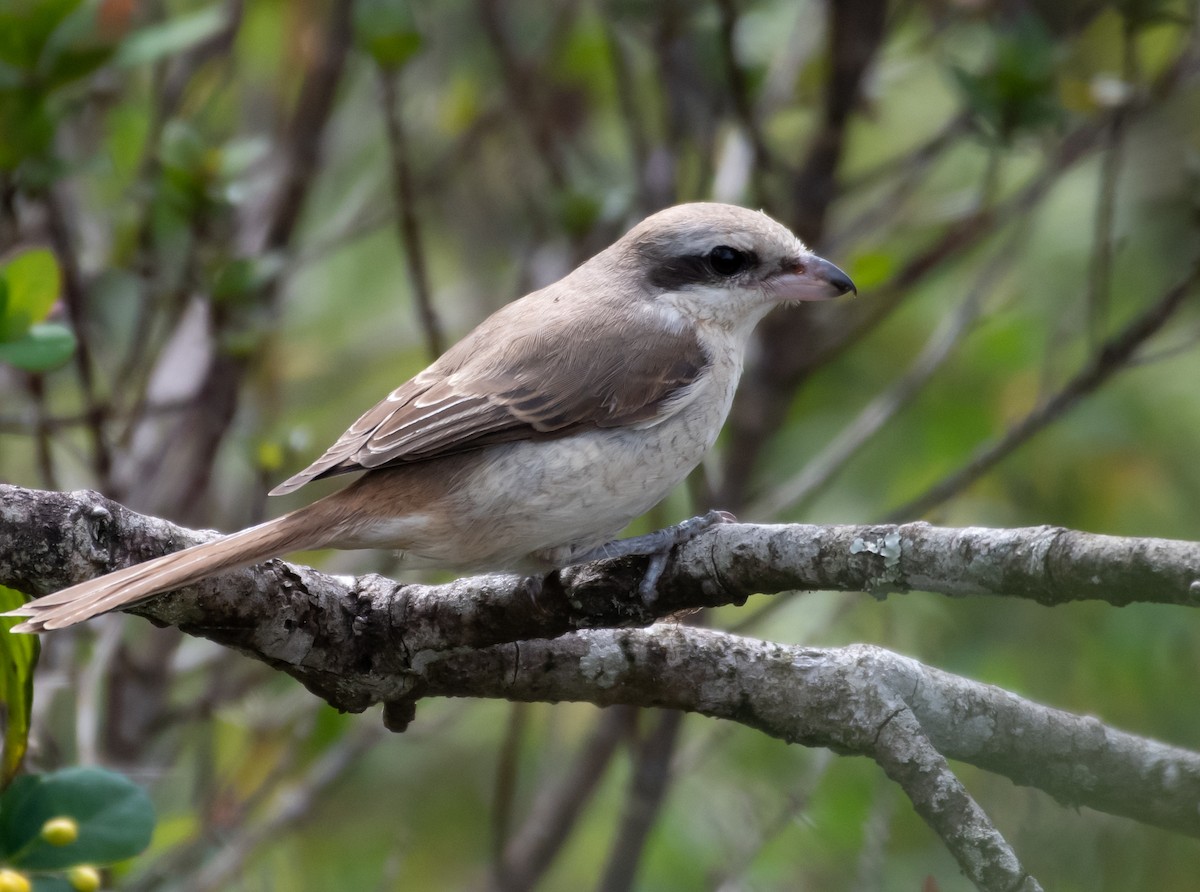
point(726, 261)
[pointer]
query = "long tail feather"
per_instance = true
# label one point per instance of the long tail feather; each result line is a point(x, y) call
point(131, 584)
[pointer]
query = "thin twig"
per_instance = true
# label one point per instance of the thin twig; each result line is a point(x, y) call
point(314, 106)
point(1115, 356)
point(166, 314)
point(504, 797)
point(169, 87)
point(909, 173)
point(42, 432)
point(627, 106)
point(735, 865)
point(791, 354)
point(75, 298)
point(870, 871)
point(651, 777)
point(819, 471)
point(557, 808)
point(856, 33)
point(739, 91)
point(27, 425)
point(915, 159)
point(1099, 293)
point(9, 223)
point(523, 93)
point(290, 807)
point(408, 225)
point(90, 690)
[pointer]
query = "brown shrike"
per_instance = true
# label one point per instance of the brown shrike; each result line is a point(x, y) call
point(534, 440)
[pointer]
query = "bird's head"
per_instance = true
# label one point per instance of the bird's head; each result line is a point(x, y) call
point(725, 264)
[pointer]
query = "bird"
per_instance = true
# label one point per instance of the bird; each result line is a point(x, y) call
point(531, 443)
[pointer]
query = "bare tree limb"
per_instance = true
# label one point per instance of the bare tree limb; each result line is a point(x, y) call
point(56, 539)
point(361, 641)
point(905, 753)
point(803, 695)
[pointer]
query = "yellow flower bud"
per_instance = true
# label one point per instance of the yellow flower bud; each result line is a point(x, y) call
point(84, 878)
point(60, 831)
point(11, 881)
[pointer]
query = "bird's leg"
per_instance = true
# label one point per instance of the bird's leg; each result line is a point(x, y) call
point(657, 546)
point(535, 585)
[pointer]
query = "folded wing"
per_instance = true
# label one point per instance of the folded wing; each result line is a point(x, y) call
point(525, 374)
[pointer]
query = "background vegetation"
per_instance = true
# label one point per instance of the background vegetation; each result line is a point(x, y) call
point(268, 213)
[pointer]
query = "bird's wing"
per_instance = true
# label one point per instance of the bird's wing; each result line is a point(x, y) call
point(523, 376)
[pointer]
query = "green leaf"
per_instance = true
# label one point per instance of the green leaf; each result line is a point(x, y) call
point(26, 124)
point(241, 277)
point(114, 815)
point(74, 50)
point(577, 211)
point(46, 346)
point(393, 50)
point(26, 26)
point(173, 36)
point(47, 883)
point(385, 29)
point(73, 64)
point(18, 656)
point(31, 285)
point(1018, 91)
point(872, 269)
point(1144, 13)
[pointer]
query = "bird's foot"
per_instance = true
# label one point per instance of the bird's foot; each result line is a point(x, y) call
point(657, 546)
point(535, 586)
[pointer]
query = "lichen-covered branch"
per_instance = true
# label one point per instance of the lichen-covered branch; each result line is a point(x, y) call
point(57, 539)
point(355, 642)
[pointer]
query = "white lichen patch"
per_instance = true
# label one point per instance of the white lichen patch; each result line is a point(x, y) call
point(603, 663)
point(888, 547)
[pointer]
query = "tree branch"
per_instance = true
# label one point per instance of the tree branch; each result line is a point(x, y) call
point(57, 539)
point(355, 642)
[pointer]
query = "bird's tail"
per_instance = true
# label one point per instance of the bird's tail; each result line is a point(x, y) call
point(72, 605)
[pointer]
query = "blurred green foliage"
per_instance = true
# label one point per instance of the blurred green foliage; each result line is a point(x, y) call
point(29, 287)
point(234, 322)
point(1016, 93)
point(56, 828)
point(18, 657)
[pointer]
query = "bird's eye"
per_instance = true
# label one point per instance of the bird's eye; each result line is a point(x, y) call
point(727, 261)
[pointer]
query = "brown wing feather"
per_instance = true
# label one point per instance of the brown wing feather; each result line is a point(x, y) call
point(541, 384)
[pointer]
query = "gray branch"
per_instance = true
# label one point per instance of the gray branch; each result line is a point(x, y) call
point(360, 641)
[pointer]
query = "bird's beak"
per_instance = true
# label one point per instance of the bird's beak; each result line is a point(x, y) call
point(812, 278)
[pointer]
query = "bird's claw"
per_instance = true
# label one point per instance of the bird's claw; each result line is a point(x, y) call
point(658, 547)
